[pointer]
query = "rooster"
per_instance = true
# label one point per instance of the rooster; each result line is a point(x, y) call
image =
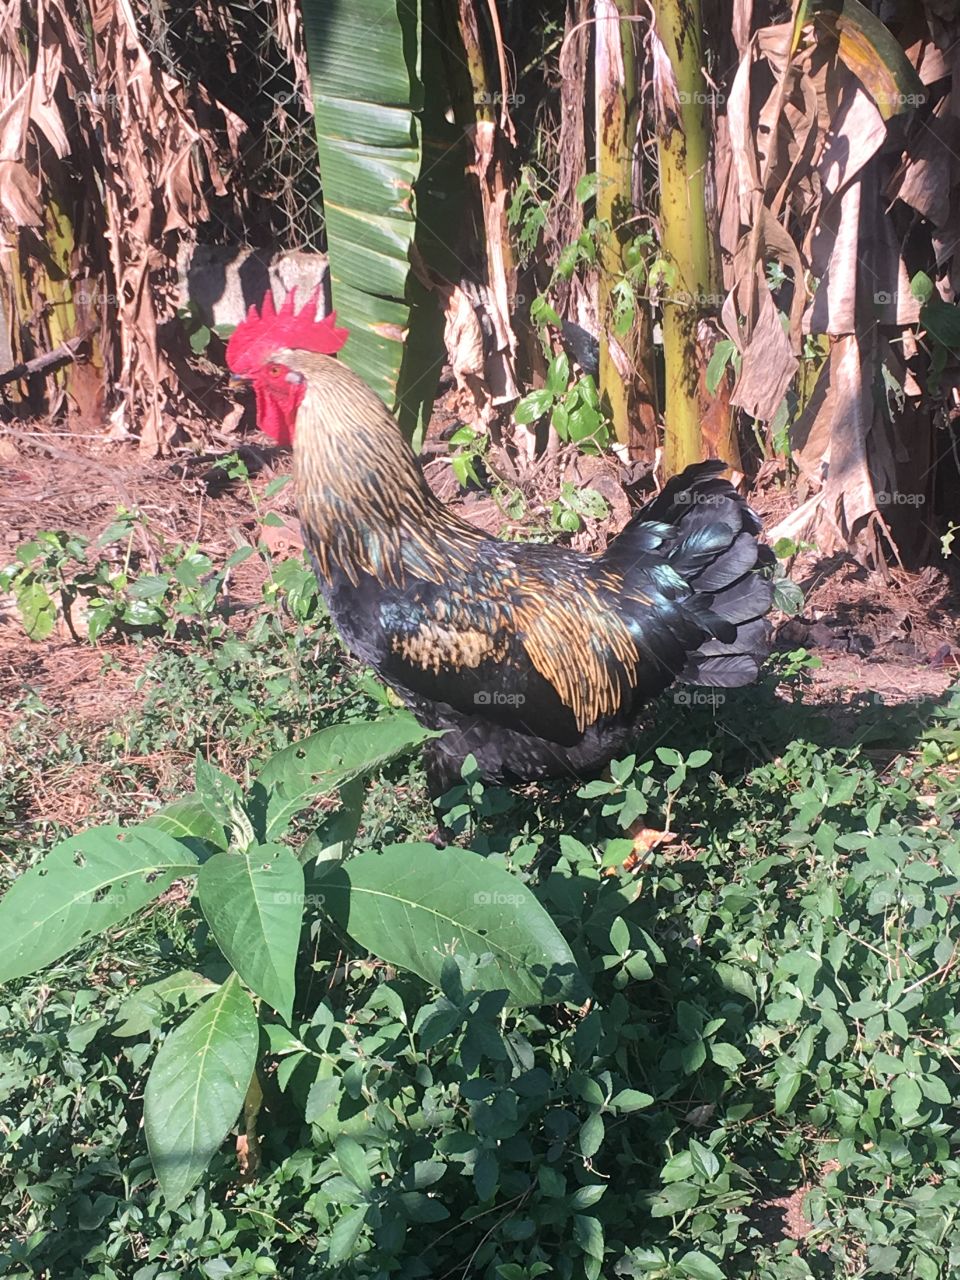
point(535, 659)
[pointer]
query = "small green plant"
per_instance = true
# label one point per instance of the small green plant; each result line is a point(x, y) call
point(199, 333)
point(186, 591)
point(45, 570)
point(794, 670)
point(56, 565)
point(573, 505)
point(573, 408)
point(789, 548)
point(634, 788)
point(470, 446)
point(527, 214)
point(787, 595)
point(252, 888)
point(644, 268)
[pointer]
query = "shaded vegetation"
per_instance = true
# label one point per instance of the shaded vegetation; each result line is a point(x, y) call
point(766, 923)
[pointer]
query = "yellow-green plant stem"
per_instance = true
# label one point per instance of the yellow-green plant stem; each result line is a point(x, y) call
point(615, 72)
point(683, 150)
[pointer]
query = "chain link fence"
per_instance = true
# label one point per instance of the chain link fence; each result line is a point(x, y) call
point(233, 50)
point(151, 128)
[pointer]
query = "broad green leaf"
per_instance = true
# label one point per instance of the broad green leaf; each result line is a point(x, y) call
point(533, 406)
point(837, 1033)
point(591, 1135)
point(788, 596)
point(486, 1175)
point(726, 1055)
point(368, 60)
point(219, 794)
point(38, 613)
point(414, 905)
point(586, 1197)
point(922, 287)
point(143, 1010)
point(273, 488)
point(936, 1090)
point(150, 587)
point(136, 614)
point(192, 568)
point(630, 1100)
point(679, 1168)
point(588, 1234)
point(99, 618)
point(586, 188)
point(323, 1094)
point(245, 552)
point(907, 1097)
point(620, 936)
point(253, 903)
point(188, 819)
point(83, 887)
point(699, 1266)
point(737, 980)
point(786, 1090)
point(704, 1161)
point(353, 1162)
point(674, 1198)
point(197, 1085)
point(558, 375)
point(583, 1087)
point(345, 1234)
point(722, 356)
point(328, 759)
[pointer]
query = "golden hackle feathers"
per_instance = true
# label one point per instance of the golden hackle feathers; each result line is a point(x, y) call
point(359, 490)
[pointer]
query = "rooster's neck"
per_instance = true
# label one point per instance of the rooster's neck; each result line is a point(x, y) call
point(363, 502)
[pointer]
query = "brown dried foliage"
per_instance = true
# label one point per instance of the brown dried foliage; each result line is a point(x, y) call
point(106, 163)
point(817, 177)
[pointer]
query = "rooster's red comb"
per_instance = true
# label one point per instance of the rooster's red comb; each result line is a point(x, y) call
point(267, 330)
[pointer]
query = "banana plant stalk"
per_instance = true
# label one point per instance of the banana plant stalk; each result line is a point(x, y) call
point(683, 145)
point(615, 80)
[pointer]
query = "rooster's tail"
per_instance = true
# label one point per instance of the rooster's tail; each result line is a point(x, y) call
point(713, 574)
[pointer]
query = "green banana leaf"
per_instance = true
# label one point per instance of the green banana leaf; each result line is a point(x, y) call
point(367, 60)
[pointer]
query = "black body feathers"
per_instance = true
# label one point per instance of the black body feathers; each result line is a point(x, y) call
point(535, 659)
point(538, 661)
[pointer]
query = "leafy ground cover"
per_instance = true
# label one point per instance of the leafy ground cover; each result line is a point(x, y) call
point(757, 1080)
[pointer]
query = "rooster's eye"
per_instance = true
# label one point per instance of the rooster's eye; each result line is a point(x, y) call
point(274, 370)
